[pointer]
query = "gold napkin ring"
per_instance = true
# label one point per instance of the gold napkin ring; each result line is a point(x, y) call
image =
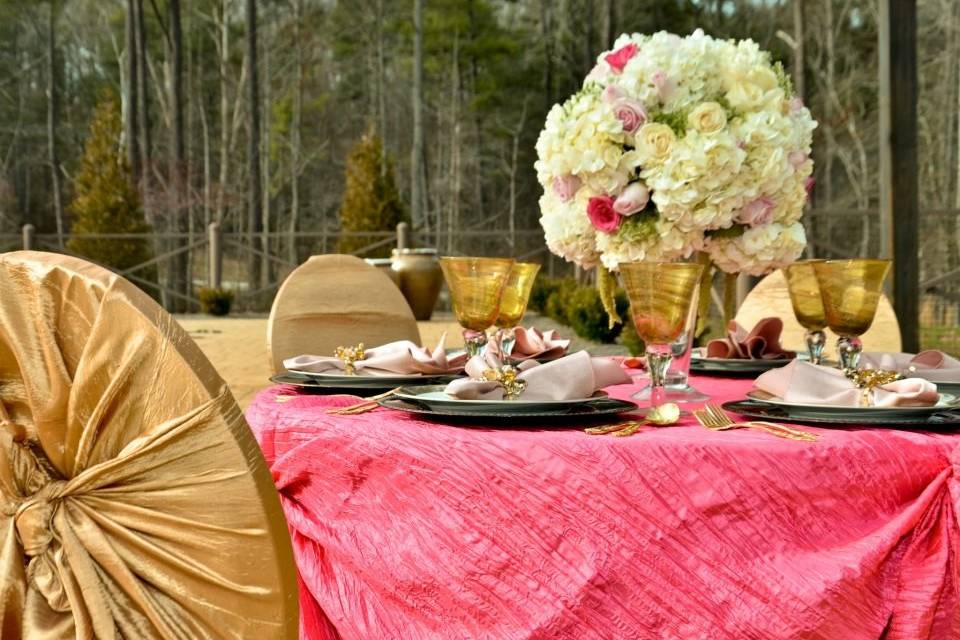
point(507, 377)
point(869, 379)
point(349, 355)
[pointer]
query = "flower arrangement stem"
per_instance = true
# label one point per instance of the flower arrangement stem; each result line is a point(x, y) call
point(607, 285)
point(703, 306)
point(729, 297)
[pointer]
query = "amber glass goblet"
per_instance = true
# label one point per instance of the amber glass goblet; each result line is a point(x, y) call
point(808, 305)
point(660, 297)
point(476, 285)
point(850, 290)
point(513, 303)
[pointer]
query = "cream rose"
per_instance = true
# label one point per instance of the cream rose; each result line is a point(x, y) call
point(708, 117)
point(655, 140)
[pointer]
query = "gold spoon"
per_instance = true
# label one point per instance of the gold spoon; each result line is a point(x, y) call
point(662, 416)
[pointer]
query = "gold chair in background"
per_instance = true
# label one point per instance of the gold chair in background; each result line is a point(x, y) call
point(336, 300)
point(771, 298)
point(134, 501)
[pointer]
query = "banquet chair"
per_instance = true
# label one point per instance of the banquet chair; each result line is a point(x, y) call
point(771, 298)
point(134, 501)
point(336, 300)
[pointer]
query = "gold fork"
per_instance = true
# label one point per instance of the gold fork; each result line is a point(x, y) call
point(715, 418)
point(368, 404)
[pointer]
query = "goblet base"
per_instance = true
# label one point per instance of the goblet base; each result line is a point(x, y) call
point(679, 393)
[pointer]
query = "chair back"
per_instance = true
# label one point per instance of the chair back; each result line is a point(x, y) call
point(771, 298)
point(134, 501)
point(336, 300)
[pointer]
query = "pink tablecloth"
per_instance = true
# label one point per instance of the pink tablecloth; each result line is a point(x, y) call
point(409, 530)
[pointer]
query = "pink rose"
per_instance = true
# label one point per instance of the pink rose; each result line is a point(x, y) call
point(566, 186)
point(797, 158)
point(633, 199)
point(808, 185)
point(601, 214)
point(611, 94)
point(630, 113)
point(756, 213)
point(619, 58)
point(663, 84)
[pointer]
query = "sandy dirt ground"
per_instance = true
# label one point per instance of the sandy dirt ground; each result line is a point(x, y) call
point(237, 346)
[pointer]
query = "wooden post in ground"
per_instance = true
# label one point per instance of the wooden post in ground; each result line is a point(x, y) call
point(28, 239)
point(899, 204)
point(215, 255)
point(403, 237)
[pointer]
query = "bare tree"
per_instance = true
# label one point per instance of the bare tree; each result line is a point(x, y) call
point(417, 198)
point(130, 121)
point(53, 119)
point(255, 187)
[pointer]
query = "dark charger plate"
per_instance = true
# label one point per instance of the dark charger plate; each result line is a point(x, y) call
point(599, 408)
point(946, 419)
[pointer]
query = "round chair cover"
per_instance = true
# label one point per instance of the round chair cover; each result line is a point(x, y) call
point(771, 298)
point(134, 501)
point(336, 300)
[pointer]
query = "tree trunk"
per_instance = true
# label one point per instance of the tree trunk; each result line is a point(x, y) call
point(799, 62)
point(254, 192)
point(610, 24)
point(546, 33)
point(224, 50)
point(133, 71)
point(179, 263)
point(297, 126)
point(266, 210)
point(53, 120)
point(416, 155)
point(144, 111)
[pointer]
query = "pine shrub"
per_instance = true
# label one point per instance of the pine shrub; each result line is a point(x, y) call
point(105, 200)
point(370, 199)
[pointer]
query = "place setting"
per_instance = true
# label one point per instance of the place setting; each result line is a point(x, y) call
point(870, 389)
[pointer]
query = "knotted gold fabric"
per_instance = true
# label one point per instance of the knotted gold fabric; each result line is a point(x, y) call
point(134, 502)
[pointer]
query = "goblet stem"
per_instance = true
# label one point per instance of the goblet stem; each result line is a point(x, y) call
point(815, 342)
point(475, 341)
point(658, 360)
point(849, 350)
point(507, 340)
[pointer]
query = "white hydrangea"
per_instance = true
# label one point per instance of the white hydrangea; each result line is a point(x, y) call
point(759, 250)
point(724, 152)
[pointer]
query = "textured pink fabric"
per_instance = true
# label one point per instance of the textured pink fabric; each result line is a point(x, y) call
point(409, 530)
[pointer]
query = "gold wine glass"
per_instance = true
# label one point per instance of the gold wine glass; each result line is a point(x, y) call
point(513, 303)
point(475, 287)
point(660, 297)
point(850, 290)
point(808, 305)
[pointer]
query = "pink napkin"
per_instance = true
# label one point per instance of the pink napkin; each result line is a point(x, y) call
point(575, 376)
point(532, 344)
point(935, 366)
point(801, 381)
point(760, 343)
point(401, 357)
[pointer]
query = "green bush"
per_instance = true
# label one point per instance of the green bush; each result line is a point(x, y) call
point(629, 338)
point(371, 201)
point(216, 302)
point(577, 306)
point(542, 289)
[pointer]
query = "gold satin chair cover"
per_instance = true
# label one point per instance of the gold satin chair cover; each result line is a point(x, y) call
point(134, 501)
point(336, 300)
point(772, 298)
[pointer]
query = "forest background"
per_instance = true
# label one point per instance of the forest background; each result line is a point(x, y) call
point(244, 112)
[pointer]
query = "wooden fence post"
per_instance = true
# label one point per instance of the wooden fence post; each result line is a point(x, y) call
point(215, 255)
point(28, 239)
point(403, 237)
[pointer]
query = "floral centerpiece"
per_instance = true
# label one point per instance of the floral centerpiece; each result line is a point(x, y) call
point(675, 146)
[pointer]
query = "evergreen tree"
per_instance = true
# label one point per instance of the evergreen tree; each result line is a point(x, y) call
point(370, 199)
point(105, 199)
